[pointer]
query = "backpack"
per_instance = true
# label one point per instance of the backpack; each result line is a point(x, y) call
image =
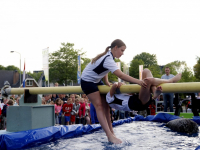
point(4, 110)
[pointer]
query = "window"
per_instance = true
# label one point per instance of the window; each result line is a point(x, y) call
point(29, 82)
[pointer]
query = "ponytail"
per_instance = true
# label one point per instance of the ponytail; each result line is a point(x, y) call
point(100, 55)
point(116, 42)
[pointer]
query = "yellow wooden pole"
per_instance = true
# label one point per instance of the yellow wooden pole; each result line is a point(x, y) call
point(184, 87)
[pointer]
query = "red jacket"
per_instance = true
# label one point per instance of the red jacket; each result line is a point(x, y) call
point(67, 108)
point(82, 110)
point(152, 109)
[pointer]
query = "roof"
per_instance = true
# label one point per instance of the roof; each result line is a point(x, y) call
point(7, 75)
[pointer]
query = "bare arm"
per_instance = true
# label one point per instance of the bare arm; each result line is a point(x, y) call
point(105, 78)
point(128, 78)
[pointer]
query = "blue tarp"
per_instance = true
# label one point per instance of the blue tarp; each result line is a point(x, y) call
point(30, 138)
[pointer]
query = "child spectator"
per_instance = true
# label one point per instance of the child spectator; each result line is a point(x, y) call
point(82, 111)
point(75, 110)
point(87, 112)
point(10, 102)
point(4, 111)
point(152, 108)
point(54, 97)
point(72, 96)
point(58, 107)
point(51, 103)
point(43, 101)
point(67, 108)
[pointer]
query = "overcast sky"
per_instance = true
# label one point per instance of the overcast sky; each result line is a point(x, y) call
point(168, 28)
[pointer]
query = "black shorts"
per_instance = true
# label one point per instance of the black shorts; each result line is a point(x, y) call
point(135, 103)
point(90, 87)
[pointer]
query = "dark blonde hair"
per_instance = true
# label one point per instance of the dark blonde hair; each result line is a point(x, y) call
point(116, 42)
point(56, 102)
point(77, 99)
point(10, 102)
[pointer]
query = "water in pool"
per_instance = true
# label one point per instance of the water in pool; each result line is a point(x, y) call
point(138, 135)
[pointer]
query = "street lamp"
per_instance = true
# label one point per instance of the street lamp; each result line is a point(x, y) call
point(20, 67)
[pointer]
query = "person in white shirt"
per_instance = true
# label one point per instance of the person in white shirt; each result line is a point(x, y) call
point(91, 77)
point(141, 101)
point(5, 100)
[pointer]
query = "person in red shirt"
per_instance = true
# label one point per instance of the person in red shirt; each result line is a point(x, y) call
point(67, 108)
point(82, 111)
point(152, 108)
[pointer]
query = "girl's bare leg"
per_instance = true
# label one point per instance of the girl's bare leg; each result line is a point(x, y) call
point(95, 98)
point(144, 94)
point(113, 89)
point(147, 74)
point(156, 81)
point(87, 118)
point(107, 112)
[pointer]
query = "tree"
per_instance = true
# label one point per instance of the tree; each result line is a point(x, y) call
point(147, 58)
point(34, 75)
point(175, 67)
point(134, 67)
point(12, 68)
point(155, 70)
point(197, 69)
point(2, 67)
point(112, 77)
point(86, 61)
point(63, 64)
point(187, 75)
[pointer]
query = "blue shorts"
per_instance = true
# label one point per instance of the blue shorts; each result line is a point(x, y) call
point(90, 87)
point(67, 118)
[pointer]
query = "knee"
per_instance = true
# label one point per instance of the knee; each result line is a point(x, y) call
point(145, 71)
point(99, 106)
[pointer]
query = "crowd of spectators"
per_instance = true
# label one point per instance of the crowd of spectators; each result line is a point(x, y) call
point(75, 109)
point(69, 109)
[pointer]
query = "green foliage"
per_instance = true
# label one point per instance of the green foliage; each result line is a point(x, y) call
point(147, 58)
point(156, 71)
point(175, 67)
point(2, 67)
point(36, 76)
point(187, 75)
point(12, 68)
point(197, 69)
point(63, 64)
point(112, 77)
point(134, 67)
point(180, 67)
point(86, 61)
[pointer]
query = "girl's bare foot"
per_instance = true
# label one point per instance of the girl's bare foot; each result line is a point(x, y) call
point(176, 78)
point(157, 92)
point(114, 140)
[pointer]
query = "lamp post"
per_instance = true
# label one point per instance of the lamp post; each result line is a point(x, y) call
point(20, 67)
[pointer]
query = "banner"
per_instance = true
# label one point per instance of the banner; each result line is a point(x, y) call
point(79, 70)
point(119, 66)
point(45, 60)
point(140, 71)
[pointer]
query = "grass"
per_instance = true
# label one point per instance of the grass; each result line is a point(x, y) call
point(183, 115)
